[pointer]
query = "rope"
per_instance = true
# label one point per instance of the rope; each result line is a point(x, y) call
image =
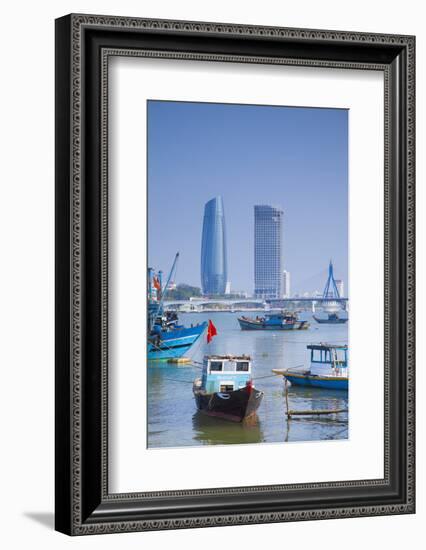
point(190, 363)
point(163, 344)
point(195, 366)
point(196, 349)
point(166, 347)
point(309, 341)
point(174, 275)
point(177, 380)
point(297, 367)
point(263, 377)
point(169, 348)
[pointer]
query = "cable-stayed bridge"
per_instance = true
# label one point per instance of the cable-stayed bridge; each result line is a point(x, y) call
point(252, 303)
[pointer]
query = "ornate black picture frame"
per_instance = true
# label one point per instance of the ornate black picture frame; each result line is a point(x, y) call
point(83, 45)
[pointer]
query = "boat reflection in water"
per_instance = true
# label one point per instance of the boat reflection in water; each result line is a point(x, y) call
point(327, 427)
point(216, 431)
point(173, 420)
point(311, 398)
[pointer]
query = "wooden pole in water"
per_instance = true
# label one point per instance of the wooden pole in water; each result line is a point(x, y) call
point(316, 412)
point(286, 398)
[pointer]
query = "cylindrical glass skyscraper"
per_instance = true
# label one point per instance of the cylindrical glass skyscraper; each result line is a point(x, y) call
point(214, 267)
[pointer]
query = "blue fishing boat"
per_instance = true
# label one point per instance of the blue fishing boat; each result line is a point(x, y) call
point(328, 369)
point(226, 388)
point(174, 341)
point(331, 319)
point(167, 338)
point(280, 320)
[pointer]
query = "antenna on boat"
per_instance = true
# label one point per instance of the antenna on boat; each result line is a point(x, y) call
point(163, 293)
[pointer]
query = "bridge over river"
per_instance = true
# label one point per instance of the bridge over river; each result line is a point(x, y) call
point(247, 304)
point(330, 300)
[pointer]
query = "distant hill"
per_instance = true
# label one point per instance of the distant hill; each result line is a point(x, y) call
point(183, 292)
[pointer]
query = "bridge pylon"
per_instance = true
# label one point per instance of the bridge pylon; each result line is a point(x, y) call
point(330, 289)
point(331, 292)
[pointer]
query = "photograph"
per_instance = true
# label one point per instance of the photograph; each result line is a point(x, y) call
point(212, 237)
point(234, 233)
point(248, 291)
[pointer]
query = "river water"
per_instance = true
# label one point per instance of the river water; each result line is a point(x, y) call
point(173, 420)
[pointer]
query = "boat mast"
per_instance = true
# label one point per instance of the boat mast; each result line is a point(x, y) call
point(149, 284)
point(164, 292)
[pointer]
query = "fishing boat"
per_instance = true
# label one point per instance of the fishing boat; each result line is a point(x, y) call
point(172, 341)
point(167, 338)
point(226, 389)
point(328, 369)
point(332, 319)
point(281, 320)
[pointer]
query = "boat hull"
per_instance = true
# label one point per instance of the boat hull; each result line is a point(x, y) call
point(329, 383)
point(173, 344)
point(246, 324)
point(235, 406)
point(337, 321)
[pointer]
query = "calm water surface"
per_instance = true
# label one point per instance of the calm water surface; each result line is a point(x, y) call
point(172, 417)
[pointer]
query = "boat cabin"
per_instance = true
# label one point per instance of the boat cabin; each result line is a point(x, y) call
point(279, 318)
point(274, 318)
point(328, 359)
point(225, 373)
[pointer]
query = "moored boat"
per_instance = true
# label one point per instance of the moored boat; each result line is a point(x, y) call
point(331, 319)
point(328, 368)
point(273, 321)
point(172, 341)
point(167, 338)
point(226, 389)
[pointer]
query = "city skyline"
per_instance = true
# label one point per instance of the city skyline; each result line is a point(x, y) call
point(295, 157)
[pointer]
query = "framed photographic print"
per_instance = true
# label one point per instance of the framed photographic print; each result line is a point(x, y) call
point(234, 274)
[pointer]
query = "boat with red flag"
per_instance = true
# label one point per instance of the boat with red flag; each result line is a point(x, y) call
point(167, 337)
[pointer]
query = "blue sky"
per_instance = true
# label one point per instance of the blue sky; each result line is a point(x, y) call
point(296, 158)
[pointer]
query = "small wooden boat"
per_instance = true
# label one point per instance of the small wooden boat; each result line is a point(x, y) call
point(331, 319)
point(273, 321)
point(226, 388)
point(328, 369)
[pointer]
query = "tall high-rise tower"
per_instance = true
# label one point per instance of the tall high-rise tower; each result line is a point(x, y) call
point(214, 265)
point(268, 251)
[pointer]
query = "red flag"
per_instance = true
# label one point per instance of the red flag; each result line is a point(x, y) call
point(156, 283)
point(211, 331)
